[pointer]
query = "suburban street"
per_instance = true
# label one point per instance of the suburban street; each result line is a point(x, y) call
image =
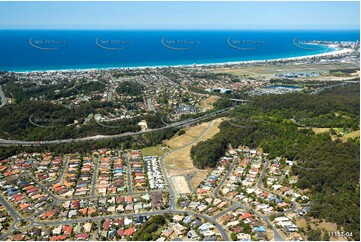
point(236, 204)
point(94, 181)
point(65, 164)
point(32, 220)
point(259, 186)
point(230, 169)
point(172, 193)
point(129, 177)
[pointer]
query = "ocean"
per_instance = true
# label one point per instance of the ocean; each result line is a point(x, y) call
point(42, 50)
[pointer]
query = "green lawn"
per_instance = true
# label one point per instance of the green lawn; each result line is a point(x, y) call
point(154, 150)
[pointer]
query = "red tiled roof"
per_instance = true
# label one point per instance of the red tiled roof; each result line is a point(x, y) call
point(120, 232)
point(67, 229)
point(245, 215)
point(129, 231)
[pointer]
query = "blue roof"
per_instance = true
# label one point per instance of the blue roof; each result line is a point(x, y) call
point(306, 209)
point(259, 229)
point(274, 198)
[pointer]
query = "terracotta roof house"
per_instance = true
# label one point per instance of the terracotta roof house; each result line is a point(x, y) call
point(129, 231)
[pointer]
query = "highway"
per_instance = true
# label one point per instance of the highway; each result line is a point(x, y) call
point(317, 91)
point(102, 137)
point(56, 200)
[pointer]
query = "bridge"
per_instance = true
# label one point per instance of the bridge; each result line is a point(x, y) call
point(241, 101)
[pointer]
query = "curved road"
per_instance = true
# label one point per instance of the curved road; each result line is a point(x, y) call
point(259, 186)
point(102, 137)
point(172, 194)
point(235, 204)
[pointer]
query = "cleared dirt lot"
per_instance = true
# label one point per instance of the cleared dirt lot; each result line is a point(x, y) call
point(180, 184)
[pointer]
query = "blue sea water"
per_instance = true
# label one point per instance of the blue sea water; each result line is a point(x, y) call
point(35, 50)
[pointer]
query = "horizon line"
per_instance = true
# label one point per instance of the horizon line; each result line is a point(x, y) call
point(152, 29)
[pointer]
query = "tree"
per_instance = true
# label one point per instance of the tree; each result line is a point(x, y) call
point(130, 88)
point(314, 235)
point(147, 237)
point(326, 236)
point(234, 236)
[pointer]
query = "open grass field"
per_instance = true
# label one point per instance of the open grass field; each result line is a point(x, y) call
point(154, 150)
point(329, 227)
point(344, 138)
point(315, 224)
point(213, 130)
point(199, 177)
point(186, 138)
point(180, 162)
point(301, 223)
point(208, 102)
point(351, 135)
point(320, 130)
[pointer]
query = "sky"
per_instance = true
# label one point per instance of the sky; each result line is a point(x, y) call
point(180, 15)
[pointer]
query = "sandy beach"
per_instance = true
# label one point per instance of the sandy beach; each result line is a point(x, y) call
point(335, 52)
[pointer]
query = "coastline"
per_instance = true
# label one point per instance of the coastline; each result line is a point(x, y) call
point(334, 52)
